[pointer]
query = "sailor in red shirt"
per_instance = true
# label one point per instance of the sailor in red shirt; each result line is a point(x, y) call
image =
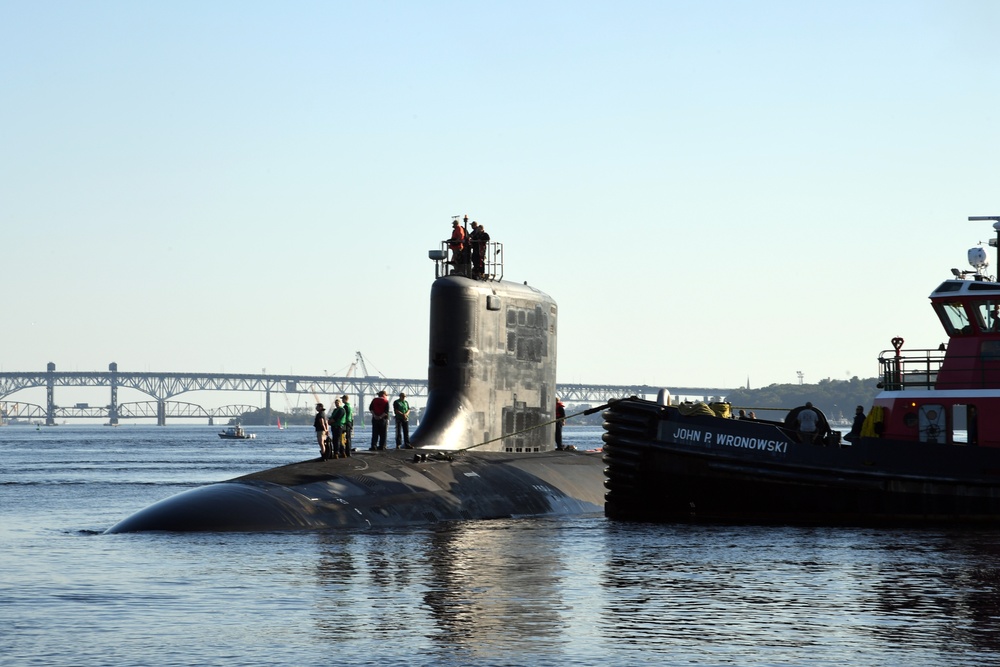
point(457, 242)
point(379, 407)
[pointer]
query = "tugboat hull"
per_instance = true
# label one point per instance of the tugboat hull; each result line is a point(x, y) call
point(663, 466)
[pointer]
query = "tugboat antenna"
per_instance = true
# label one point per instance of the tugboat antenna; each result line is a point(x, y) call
point(996, 226)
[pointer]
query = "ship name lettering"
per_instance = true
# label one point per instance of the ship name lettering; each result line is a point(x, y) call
point(692, 436)
point(687, 435)
point(753, 443)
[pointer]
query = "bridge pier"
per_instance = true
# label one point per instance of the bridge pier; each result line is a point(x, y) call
point(50, 395)
point(113, 406)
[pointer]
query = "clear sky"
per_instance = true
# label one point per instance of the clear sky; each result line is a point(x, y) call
point(712, 191)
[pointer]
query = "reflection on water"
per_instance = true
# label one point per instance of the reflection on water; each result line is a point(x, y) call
point(490, 586)
point(783, 594)
point(569, 591)
point(474, 590)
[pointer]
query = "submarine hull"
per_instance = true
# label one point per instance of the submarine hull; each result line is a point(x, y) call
point(382, 489)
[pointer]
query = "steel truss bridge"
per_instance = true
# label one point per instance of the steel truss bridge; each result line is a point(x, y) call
point(164, 387)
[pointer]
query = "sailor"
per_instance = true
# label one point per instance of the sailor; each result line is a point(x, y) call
point(337, 430)
point(808, 421)
point(859, 422)
point(379, 407)
point(348, 422)
point(321, 426)
point(401, 410)
point(560, 420)
point(457, 242)
point(478, 238)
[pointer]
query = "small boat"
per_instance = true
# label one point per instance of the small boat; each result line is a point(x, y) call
point(929, 450)
point(280, 427)
point(236, 433)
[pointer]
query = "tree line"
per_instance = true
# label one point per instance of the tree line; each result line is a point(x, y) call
point(835, 398)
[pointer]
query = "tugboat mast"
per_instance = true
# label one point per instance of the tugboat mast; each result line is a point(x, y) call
point(995, 243)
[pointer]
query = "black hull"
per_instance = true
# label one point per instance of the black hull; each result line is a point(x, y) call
point(385, 489)
point(666, 467)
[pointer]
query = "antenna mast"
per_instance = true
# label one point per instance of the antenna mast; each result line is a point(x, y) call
point(995, 243)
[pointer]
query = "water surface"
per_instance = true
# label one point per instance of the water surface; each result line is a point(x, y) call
point(578, 591)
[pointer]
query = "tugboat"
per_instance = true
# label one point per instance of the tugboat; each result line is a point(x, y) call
point(929, 451)
point(236, 433)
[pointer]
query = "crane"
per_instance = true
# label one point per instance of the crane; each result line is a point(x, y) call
point(359, 360)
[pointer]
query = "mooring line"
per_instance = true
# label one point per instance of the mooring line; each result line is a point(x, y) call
point(588, 411)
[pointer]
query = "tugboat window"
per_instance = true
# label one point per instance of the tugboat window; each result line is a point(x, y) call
point(950, 286)
point(987, 315)
point(931, 423)
point(954, 318)
point(959, 423)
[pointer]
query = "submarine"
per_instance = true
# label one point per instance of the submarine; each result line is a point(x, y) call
point(484, 448)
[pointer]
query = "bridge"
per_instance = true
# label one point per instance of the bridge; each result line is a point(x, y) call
point(162, 388)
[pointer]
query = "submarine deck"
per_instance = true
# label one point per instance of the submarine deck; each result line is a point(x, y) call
point(369, 462)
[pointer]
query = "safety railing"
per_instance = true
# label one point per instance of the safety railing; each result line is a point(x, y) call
point(477, 259)
point(909, 369)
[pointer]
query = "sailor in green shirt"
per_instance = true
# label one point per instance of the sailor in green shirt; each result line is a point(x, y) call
point(337, 419)
point(401, 409)
point(348, 423)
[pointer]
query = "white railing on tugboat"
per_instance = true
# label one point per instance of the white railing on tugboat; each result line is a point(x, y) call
point(909, 369)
